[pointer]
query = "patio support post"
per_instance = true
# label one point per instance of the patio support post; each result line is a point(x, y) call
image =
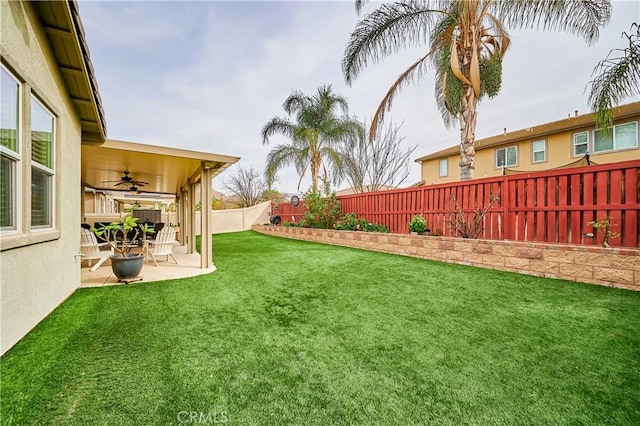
point(83, 212)
point(178, 219)
point(191, 218)
point(206, 256)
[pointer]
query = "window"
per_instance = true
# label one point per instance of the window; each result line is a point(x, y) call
point(42, 165)
point(443, 167)
point(507, 156)
point(9, 150)
point(539, 151)
point(621, 136)
point(580, 143)
point(28, 145)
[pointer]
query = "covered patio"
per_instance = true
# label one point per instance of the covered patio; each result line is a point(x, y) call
point(188, 266)
point(166, 171)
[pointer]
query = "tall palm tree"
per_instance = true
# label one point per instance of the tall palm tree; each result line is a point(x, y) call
point(467, 40)
point(315, 134)
point(616, 78)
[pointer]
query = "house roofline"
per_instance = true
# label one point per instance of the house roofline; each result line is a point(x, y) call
point(63, 27)
point(571, 123)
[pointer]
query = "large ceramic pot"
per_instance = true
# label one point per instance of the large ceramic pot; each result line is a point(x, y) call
point(127, 268)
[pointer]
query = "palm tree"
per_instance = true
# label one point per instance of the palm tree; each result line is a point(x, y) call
point(315, 134)
point(617, 78)
point(467, 41)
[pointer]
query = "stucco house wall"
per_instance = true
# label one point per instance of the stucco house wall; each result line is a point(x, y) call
point(39, 270)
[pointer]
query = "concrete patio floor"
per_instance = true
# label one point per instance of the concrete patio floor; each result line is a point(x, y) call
point(188, 266)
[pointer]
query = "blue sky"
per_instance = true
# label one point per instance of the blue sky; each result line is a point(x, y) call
point(207, 75)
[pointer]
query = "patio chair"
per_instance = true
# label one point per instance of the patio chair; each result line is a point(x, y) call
point(157, 227)
point(91, 249)
point(162, 245)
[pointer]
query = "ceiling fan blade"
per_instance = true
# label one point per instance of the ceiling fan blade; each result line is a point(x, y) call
point(127, 180)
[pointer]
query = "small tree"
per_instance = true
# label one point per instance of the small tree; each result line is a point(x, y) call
point(247, 185)
point(604, 225)
point(273, 196)
point(469, 227)
point(372, 165)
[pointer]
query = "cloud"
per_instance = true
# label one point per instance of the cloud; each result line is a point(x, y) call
point(207, 75)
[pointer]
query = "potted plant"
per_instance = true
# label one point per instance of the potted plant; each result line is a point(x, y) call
point(418, 225)
point(122, 236)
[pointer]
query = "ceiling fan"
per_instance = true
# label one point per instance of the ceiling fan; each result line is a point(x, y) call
point(127, 180)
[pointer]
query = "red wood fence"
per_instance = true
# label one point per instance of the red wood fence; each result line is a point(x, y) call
point(549, 206)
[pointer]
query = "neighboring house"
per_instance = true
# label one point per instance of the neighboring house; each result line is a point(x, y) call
point(365, 188)
point(547, 146)
point(52, 145)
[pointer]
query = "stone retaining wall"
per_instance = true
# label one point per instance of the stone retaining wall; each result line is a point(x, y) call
point(612, 267)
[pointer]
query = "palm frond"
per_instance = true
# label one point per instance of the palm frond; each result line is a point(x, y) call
point(328, 102)
point(335, 160)
point(387, 30)
point(408, 76)
point(338, 130)
point(275, 126)
point(280, 157)
point(616, 79)
point(581, 17)
point(296, 102)
point(360, 4)
point(500, 35)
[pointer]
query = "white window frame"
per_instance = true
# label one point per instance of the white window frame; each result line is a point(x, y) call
point(498, 166)
point(22, 233)
point(444, 161)
point(544, 151)
point(612, 133)
point(16, 158)
point(51, 172)
point(574, 144)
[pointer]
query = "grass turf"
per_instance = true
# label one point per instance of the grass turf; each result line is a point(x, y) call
point(289, 332)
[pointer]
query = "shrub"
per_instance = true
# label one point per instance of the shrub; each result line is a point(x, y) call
point(289, 224)
point(418, 224)
point(375, 227)
point(350, 222)
point(322, 213)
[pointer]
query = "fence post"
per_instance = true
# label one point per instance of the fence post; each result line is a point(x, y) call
point(506, 199)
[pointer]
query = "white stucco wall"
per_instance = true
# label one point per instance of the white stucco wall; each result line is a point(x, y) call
point(236, 220)
point(37, 277)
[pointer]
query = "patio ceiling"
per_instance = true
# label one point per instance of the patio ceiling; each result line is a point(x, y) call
point(166, 169)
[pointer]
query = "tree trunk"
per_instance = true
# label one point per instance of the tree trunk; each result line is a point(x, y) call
point(468, 119)
point(314, 177)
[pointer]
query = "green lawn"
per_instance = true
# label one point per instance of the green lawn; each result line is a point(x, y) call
point(289, 332)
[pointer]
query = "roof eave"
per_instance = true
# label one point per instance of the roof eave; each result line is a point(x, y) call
point(63, 27)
